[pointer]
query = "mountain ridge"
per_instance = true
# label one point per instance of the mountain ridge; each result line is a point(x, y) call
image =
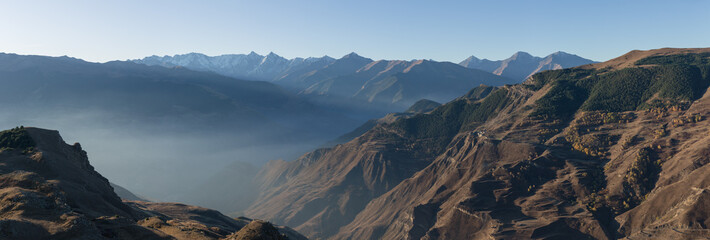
point(521, 65)
point(582, 152)
point(250, 66)
point(386, 84)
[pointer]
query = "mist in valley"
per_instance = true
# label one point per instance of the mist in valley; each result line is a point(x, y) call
point(170, 161)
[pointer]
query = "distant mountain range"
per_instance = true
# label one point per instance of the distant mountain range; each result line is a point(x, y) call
point(250, 66)
point(522, 65)
point(152, 94)
point(394, 84)
point(405, 82)
point(305, 72)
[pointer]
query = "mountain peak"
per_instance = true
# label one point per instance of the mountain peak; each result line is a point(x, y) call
point(470, 61)
point(352, 55)
point(561, 54)
point(273, 56)
point(472, 58)
point(521, 54)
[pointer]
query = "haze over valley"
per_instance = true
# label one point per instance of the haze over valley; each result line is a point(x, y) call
point(185, 125)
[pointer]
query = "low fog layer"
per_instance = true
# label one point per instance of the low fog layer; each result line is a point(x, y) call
point(160, 162)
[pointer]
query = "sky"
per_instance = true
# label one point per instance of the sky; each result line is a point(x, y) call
point(443, 30)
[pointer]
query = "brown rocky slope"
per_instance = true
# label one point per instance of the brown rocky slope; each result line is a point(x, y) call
point(605, 151)
point(48, 190)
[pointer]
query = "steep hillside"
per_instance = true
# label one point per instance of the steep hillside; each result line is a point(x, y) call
point(576, 153)
point(522, 65)
point(325, 189)
point(50, 191)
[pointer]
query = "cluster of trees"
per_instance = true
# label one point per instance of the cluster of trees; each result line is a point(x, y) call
point(690, 59)
point(661, 132)
point(618, 91)
point(682, 120)
point(526, 176)
point(595, 181)
point(627, 89)
point(595, 145)
point(598, 118)
point(642, 175)
point(639, 181)
point(571, 74)
point(561, 101)
point(582, 137)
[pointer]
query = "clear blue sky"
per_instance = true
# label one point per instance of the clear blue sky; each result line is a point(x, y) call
point(382, 29)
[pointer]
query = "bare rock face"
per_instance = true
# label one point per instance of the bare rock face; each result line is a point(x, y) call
point(48, 190)
point(604, 151)
point(53, 192)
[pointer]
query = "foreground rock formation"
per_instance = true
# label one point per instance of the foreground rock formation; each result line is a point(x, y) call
point(48, 190)
point(612, 150)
